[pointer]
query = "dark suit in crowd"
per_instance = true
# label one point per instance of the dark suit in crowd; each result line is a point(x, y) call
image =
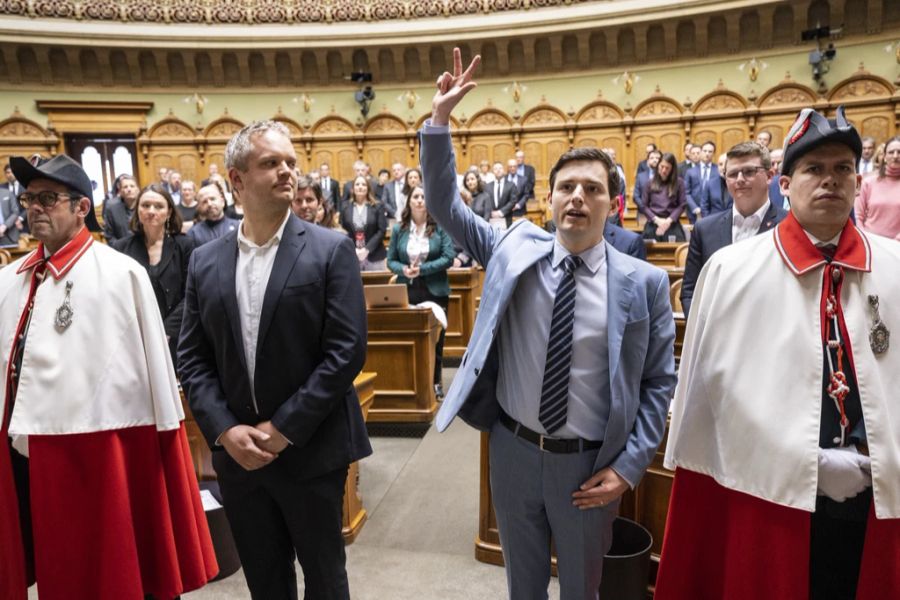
point(715, 198)
point(501, 195)
point(117, 217)
point(625, 241)
point(168, 277)
point(525, 185)
point(331, 190)
point(10, 212)
point(695, 185)
point(711, 234)
point(311, 345)
point(373, 232)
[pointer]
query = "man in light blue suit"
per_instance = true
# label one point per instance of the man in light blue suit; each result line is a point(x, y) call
point(570, 366)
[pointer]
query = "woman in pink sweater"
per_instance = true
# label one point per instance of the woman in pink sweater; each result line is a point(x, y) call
point(878, 203)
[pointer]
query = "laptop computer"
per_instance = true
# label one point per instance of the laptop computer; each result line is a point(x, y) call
point(391, 295)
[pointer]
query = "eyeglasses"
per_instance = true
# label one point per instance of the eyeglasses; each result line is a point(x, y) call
point(747, 172)
point(46, 199)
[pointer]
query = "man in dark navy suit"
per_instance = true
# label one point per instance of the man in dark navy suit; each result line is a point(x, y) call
point(748, 171)
point(697, 180)
point(273, 335)
point(642, 179)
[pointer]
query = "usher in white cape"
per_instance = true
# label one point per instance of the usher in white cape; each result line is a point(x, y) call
point(110, 369)
point(747, 407)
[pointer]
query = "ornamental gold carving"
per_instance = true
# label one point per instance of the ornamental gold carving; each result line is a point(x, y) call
point(861, 88)
point(488, 120)
point(718, 103)
point(333, 126)
point(263, 11)
point(599, 113)
point(226, 129)
point(543, 117)
point(383, 125)
point(172, 130)
point(788, 96)
point(657, 108)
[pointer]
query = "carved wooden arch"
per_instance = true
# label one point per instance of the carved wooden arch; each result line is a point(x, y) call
point(16, 129)
point(862, 85)
point(599, 111)
point(333, 125)
point(293, 126)
point(171, 128)
point(455, 123)
point(385, 123)
point(490, 118)
point(788, 93)
point(544, 115)
point(720, 100)
point(657, 106)
point(222, 128)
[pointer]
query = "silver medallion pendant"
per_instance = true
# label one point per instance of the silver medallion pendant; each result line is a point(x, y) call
point(65, 313)
point(879, 336)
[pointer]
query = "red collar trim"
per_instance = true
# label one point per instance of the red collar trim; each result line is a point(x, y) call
point(61, 261)
point(801, 255)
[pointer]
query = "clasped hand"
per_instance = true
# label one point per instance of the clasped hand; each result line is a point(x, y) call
point(843, 473)
point(253, 447)
point(603, 487)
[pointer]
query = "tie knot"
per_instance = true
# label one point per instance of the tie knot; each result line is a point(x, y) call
point(570, 263)
point(827, 249)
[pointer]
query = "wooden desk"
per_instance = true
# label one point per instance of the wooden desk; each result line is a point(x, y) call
point(376, 277)
point(354, 516)
point(647, 504)
point(674, 273)
point(661, 254)
point(464, 287)
point(401, 351)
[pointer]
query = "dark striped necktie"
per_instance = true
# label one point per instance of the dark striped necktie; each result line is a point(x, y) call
point(555, 389)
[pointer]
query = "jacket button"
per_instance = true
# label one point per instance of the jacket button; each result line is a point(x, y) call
point(249, 408)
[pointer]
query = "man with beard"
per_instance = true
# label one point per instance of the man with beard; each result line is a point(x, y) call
point(211, 207)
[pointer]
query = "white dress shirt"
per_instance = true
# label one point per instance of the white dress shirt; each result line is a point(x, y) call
point(254, 266)
point(525, 330)
point(742, 227)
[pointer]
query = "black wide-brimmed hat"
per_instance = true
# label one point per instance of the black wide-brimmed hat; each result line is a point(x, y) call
point(60, 169)
point(811, 130)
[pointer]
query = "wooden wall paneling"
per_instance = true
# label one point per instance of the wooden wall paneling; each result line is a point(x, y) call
point(335, 135)
point(479, 152)
point(385, 140)
point(170, 143)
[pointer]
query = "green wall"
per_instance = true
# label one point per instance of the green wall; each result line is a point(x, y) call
point(680, 81)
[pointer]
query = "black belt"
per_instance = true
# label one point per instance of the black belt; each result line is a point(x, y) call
point(545, 443)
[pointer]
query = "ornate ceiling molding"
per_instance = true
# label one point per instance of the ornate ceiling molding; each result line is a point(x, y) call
point(326, 23)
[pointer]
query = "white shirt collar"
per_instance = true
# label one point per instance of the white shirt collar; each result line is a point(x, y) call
point(593, 257)
point(817, 242)
point(740, 219)
point(245, 244)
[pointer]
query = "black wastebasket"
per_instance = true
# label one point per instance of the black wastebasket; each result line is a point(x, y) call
point(220, 532)
point(626, 567)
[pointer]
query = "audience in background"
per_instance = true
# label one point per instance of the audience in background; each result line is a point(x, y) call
point(878, 202)
point(866, 161)
point(211, 209)
point(363, 219)
point(392, 193)
point(764, 139)
point(479, 201)
point(188, 206)
point(698, 178)
point(663, 202)
point(118, 215)
point(174, 188)
point(307, 199)
point(156, 242)
point(419, 254)
point(775, 195)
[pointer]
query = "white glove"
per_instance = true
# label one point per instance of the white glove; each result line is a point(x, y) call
point(843, 473)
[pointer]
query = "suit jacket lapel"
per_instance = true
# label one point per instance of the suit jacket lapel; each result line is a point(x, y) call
point(227, 279)
point(620, 290)
point(770, 219)
point(292, 243)
point(168, 253)
point(723, 231)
